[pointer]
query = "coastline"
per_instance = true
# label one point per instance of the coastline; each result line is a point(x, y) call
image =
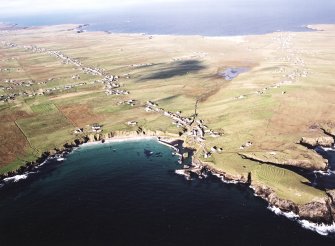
point(82, 142)
point(238, 37)
point(313, 216)
point(266, 194)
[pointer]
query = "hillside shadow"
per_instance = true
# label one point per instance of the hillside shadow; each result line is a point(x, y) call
point(178, 68)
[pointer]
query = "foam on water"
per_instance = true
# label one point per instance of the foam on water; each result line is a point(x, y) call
point(325, 173)
point(183, 172)
point(321, 229)
point(16, 178)
point(99, 176)
point(180, 172)
point(225, 180)
point(278, 211)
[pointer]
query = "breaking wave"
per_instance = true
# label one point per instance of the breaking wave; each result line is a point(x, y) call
point(325, 173)
point(180, 172)
point(220, 176)
point(322, 229)
point(16, 178)
point(183, 172)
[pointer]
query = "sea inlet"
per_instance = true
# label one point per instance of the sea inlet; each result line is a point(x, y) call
point(127, 193)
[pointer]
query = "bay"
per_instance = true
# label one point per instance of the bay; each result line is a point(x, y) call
point(128, 193)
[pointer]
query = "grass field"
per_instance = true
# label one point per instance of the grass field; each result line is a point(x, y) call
point(287, 91)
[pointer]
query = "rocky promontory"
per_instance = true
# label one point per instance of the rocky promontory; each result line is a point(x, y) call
point(317, 212)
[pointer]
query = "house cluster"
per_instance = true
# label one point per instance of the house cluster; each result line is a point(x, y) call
point(93, 71)
point(191, 127)
point(7, 88)
point(291, 59)
point(39, 92)
point(126, 75)
point(116, 92)
point(178, 120)
point(141, 65)
point(61, 88)
point(78, 131)
point(6, 98)
point(80, 28)
point(112, 85)
point(130, 102)
point(5, 69)
point(198, 132)
point(214, 149)
point(152, 107)
point(132, 123)
point(8, 44)
point(96, 128)
point(240, 97)
point(33, 48)
point(75, 77)
point(20, 82)
point(110, 81)
point(246, 145)
point(66, 59)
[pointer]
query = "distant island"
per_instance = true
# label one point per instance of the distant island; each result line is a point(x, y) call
point(256, 109)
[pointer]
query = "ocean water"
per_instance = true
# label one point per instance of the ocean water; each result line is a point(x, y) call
point(128, 193)
point(186, 17)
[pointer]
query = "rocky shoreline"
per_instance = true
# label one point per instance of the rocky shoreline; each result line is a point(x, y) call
point(321, 212)
point(316, 212)
point(90, 138)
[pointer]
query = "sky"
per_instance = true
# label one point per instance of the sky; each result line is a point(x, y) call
point(26, 7)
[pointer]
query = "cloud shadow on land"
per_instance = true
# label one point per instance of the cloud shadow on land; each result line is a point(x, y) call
point(178, 68)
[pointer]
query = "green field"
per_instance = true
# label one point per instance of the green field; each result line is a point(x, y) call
point(286, 94)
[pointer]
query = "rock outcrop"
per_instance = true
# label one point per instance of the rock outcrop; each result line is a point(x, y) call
point(29, 166)
point(331, 194)
point(270, 196)
point(329, 128)
point(229, 177)
point(316, 212)
point(324, 141)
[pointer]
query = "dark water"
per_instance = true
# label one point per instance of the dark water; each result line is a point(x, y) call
point(325, 179)
point(210, 17)
point(128, 194)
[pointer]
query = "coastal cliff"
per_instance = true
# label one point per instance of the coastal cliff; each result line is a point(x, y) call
point(322, 211)
point(317, 212)
point(319, 141)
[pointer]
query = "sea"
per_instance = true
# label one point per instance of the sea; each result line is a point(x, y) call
point(190, 17)
point(128, 193)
